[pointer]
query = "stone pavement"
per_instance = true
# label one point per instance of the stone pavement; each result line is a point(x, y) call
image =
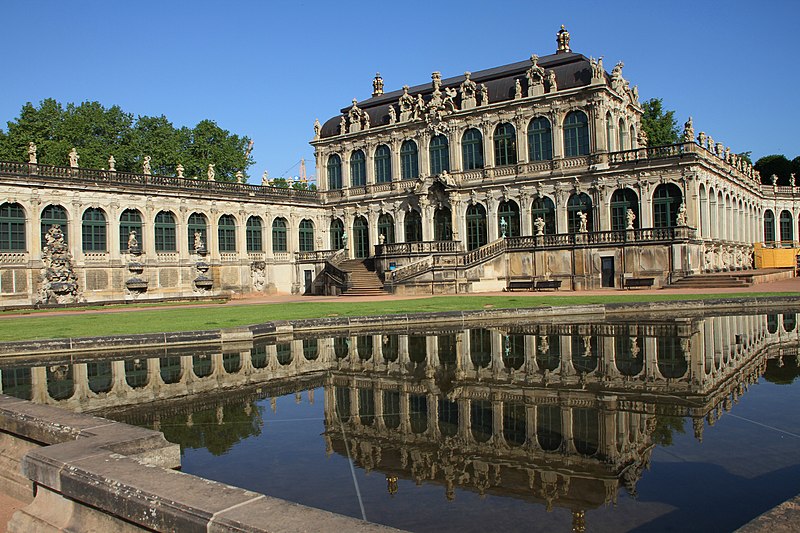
point(8, 506)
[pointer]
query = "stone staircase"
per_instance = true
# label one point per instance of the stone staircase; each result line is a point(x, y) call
point(714, 280)
point(365, 282)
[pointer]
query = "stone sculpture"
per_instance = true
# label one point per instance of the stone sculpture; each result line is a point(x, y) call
point(392, 115)
point(583, 222)
point(539, 225)
point(551, 81)
point(680, 219)
point(406, 103)
point(239, 176)
point(32, 153)
point(179, 170)
point(484, 95)
point(631, 216)
point(73, 158)
point(133, 242)
point(59, 282)
point(618, 83)
point(688, 131)
point(146, 165)
point(354, 116)
point(111, 163)
point(199, 245)
point(419, 108)
point(535, 76)
point(344, 239)
point(701, 138)
point(468, 90)
point(517, 89)
point(377, 85)
point(342, 125)
point(641, 138)
point(562, 39)
point(317, 128)
point(366, 121)
point(265, 179)
point(211, 173)
point(598, 72)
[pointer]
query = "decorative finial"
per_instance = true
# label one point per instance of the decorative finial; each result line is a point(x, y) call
point(377, 85)
point(562, 38)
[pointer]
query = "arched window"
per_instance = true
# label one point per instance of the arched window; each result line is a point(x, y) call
point(226, 233)
point(386, 228)
point(472, 149)
point(623, 136)
point(544, 208)
point(197, 224)
point(671, 359)
point(254, 235)
point(164, 232)
point(632, 138)
point(548, 427)
point(477, 234)
point(94, 230)
point(443, 224)
point(579, 203)
point(480, 347)
point(769, 226)
point(586, 430)
point(360, 237)
point(279, 241)
point(383, 164)
point(334, 172)
point(621, 201)
point(610, 132)
point(785, 222)
point(508, 211)
point(413, 226)
point(12, 228)
point(358, 169)
point(505, 145)
point(540, 140)
point(130, 220)
point(409, 165)
point(53, 215)
point(667, 200)
point(306, 235)
point(439, 155)
point(337, 234)
point(576, 134)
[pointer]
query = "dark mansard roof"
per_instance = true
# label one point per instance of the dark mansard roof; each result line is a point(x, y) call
point(572, 70)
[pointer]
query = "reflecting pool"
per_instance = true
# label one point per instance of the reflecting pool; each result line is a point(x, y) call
point(687, 424)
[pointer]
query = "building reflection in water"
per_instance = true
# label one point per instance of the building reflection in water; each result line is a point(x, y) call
point(561, 414)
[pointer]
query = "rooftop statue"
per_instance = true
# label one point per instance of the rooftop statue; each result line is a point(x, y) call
point(73, 158)
point(342, 125)
point(111, 163)
point(146, 165)
point(406, 103)
point(484, 95)
point(535, 76)
point(392, 115)
point(688, 131)
point(468, 91)
point(551, 81)
point(377, 85)
point(598, 72)
point(517, 89)
point(211, 174)
point(317, 128)
point(562, 39)
point(618, 83)
point(32, 153)
point(179, 170)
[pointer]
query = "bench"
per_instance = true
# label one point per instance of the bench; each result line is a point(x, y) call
point(519, 285)
point(629, 283)
point(554, 284)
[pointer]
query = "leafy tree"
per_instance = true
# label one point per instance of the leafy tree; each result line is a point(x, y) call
point(745, 156)
point(796, 167)
point(659, 125)
point(280, 183)
point(666, 426)
point(775, 164)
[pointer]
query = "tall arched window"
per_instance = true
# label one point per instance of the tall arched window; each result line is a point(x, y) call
point(667, 200)
point(505, 145)
point(413, 226)
point(443, 224)
point(632, 137)
point(785, 223)
point(12, 228)
point(769, 226)
point(477, 234)
point(130, 220)
point(623, 135)
point(254, 234)
point(334, 172)
point(386, 228)
point(54, 215)
point(621, 201)
point(439, 155)
point(409, 164)
point(337, 234)
point(306, 235)
point(540, 140)
point(226, 233)
point(360, 237)
point(472, 149)
point(383, 164)
point(576, 134)
point(544, 208)
point(579, 203)
point(480, 347)
point(279, 240)
point(508, 211)
point(93, 230)
point(197, 224)
point(610, 132)
point(165, 232)
point(358, 169)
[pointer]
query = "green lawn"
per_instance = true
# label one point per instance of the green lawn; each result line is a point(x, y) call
point(80, 323)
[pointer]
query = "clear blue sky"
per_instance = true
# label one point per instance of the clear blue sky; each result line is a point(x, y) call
point(267, 69)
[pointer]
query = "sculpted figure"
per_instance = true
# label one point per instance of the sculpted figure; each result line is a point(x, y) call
point(342, 125)
point(618, 83)
point(711, 144)
point(406, 103)
point(583, 222)
point(111, 163)
point(562, 39)
point(377, 85)
point(198, 242)
point(631, 216)
point(73, 158)
point(392, 115)
point(317, 128)
point(484, 94)
point(641, 138)
point(688, 131)
point(265, 179)
point(146, 165)
point(517, 89)
point(535, 76)
point(720, 150)
point(539, 225)
point(598, 74)
point(680, 219)
point(179, 170)
point(32, 153)
point(727, 154)
point(355, 115)
point(551, 80)
point(449, 103)
point(239, 176)
point(468, 89)
point(419, 108)
point(701, 138)
point(344, 239)
point(366, 120)
point(133, 242)
point(211, 173)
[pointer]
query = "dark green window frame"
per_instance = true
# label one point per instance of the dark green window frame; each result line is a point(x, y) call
point(279, 240)
point(621, 201)
point(413, 226)
point(334, 172)
point(383, 164)
point(337, 234)
point(197, 222)
point(540, 140)
point(505, 145)
point(386, 228)
point(509, 211)
point(93, 230)
point(667, 199)
point(130, 220)
point(306, 236)
point(579, 203)
point(439, 155)
point(358, 169)
point(576, 134)
point(226, 233)
point(443, 224)
point(472, 149)
point(254, 234)
point(409, 160)
point(12, 228)
point(165, 232)
point(544, 208)
point(54, 215)
point(769, 226)
point(477, 235)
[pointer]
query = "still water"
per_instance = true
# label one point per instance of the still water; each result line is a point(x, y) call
point(684, 424)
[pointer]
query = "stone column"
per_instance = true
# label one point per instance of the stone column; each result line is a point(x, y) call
point(454, 148)
point(322, 174)
point(33, 229)
point(396, 168)
point(74, 229)
point(526, 221)
point(112, 233)
point(372, 222)
point(426, 213)
point(369, 163)
point(491, 219)
point(522, 140)
point(241, 235)
point(212, 241)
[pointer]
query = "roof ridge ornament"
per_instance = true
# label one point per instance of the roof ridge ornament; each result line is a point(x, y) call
point(562, 38)
point(377, 85)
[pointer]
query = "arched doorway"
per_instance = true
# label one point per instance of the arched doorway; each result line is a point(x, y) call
point(508, 211)
point(361, 238)
point(477, 234)
point(443, 224)
point(667, 199)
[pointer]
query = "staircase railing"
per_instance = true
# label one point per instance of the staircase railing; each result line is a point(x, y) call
point(485, 252)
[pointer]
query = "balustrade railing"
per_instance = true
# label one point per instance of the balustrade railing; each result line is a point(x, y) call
point(13, 258)
point(422, 247)
point(316, 256)
point(485, 252)
point(409, 271)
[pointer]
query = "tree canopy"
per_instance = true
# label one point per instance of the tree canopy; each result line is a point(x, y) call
point(98, 132)
point(777, 165)
point(659, 124)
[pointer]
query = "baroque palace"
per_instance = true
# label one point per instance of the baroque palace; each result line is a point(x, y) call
point(532, 174)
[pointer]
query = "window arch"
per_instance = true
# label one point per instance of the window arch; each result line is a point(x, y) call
point(413, 226)
point(623, 135)
point(540, 140)
point(621, 201)
point(505, 145)
point(386, 228)
point(579, 203)
point(279, 240)
point(632, 137)
point(477, 234)
point(576, 134)
point(785, 223)
point(12, 228)
point(443, 224)
point(667, 199)
point(337, 234)
point(439, 155)
point(358, 169)
point(544, 208)
point(409, 160)
point(226, 233)
point(383, 164)
point(54, 215)
point(197, 224)
point(165, 232)
point(472, 149)
point(610, 131)
point(254, 234)
point(306, 235)
point(508, 211)
point(361, 237)
point(130, 220)
point(334, 172)
point(769, 226)
point(93, 230)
